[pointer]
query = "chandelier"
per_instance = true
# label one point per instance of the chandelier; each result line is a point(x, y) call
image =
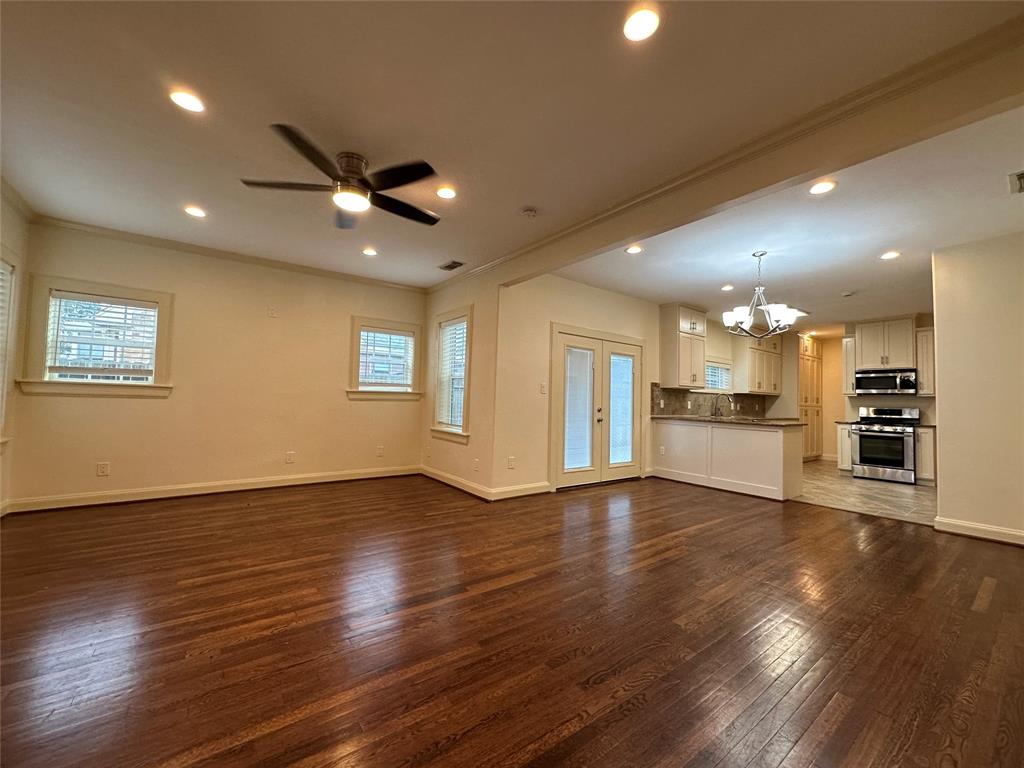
point(778, 317)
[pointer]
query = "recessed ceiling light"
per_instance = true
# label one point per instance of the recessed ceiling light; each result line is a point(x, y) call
point(822, 187)
point(369, 251)
point(187, 100)
point(640, 25)
point(446, 192)
point(726, 287)
point(889, 255)
point(195, 211)
point(634, 249)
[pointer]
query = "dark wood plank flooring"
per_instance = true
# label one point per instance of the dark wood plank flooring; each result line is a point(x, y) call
point(399, 622)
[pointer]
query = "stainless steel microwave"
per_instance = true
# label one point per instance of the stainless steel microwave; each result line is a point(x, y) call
point(891, 381)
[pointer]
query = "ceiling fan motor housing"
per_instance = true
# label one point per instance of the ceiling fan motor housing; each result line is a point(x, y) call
point(352, 165)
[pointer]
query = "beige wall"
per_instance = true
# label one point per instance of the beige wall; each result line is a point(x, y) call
point(832, 406)
point(979, 331)
point(14, 230)
point(526, 312)
point(247, 386)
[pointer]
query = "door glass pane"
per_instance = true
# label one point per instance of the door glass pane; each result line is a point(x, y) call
point(620, 407)
point(880, 451)
point(579, 408)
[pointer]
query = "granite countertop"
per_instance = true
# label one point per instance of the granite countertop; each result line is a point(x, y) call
point(742, 420)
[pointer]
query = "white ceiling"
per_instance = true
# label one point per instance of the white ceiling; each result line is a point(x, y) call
point(947, 190)
point(541, 104)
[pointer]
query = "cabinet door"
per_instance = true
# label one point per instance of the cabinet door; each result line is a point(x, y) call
point(772, 344)
point(899, 343)
point(844, 454)
point(819, 439)
point(805, 380)
point(870, 345)
point(757, 359)
point(775, 375)
point(805, 417)
point(685, 360)
point(926, 362)
point(698, 321)
point(849, 367)
point(685, 320)
point(697, 361)
point(924, 450)
point(816, 366)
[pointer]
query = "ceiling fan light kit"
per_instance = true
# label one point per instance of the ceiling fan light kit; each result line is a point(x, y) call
point(352, 190)
point(777, 317)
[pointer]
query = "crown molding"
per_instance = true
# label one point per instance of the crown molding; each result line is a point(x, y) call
point(1000, 39)
point(12, 196)
point(257, 261)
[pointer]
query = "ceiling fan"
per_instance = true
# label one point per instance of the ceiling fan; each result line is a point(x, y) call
point(352, 189)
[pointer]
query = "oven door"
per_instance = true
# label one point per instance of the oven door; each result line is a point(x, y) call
point(883, 455)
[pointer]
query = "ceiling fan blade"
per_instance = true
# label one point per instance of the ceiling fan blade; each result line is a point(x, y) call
point(399, 175)
point(307, 149)
point(397, 207)
point(345, 220)
point(288, 185)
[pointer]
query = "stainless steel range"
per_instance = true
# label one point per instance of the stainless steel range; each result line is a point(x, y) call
point(883, 444)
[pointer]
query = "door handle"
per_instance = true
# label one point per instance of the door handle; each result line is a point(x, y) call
point(599, 419)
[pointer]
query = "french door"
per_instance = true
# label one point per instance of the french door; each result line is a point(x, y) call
point(596, 391)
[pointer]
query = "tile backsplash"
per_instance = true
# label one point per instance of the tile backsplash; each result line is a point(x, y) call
point(700, 403)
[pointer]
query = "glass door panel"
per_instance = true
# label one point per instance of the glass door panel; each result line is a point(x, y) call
point(620, 409)
point(578, 427)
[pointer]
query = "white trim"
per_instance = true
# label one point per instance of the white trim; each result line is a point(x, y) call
point(92, 388)
point(482, 491)
point(450, 433)
point(193, 489)
point(722, 484)
point(381, 394)
point(980, 530)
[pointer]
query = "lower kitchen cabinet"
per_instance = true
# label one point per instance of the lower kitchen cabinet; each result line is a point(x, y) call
point(924, 453)
point(844, 447)
point(812, 432)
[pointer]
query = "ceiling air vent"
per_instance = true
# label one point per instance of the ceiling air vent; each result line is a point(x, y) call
point(451, 265)
point(1017, 183)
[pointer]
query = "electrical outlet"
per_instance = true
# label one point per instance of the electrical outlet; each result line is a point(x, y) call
point(661, 403)
point(661, 450)
point(476, 465)
point(380, 451)
point(687, 405)
point(511, 462)
point(102, 469)
point(289, 457)
point(271, 311)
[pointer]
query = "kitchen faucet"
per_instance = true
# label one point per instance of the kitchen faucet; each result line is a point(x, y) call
point(714, 403)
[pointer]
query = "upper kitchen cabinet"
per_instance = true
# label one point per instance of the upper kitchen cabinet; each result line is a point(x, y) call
point(682, 352)
point(849, 367)
point(809, 346)
point(926, 361)
point(885, 344)
point(756, 370)
point(692, 321)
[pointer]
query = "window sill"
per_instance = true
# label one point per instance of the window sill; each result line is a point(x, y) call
point(381, 394)
point(447, 433)
point(93, 389)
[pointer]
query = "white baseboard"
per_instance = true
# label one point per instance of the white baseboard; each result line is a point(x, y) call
point(483, 491)
point(980, 530)
point(194, 489)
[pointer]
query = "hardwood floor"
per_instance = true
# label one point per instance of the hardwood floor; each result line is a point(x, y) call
point(399, 622)
point(827, 485)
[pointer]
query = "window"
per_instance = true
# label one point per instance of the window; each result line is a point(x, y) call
point(100, 339)
point(450, 408)
point(94, 339)
point(718, 376)
point(385, 360)
point(6, 284)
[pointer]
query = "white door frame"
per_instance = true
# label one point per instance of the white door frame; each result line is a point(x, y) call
point(554, 402)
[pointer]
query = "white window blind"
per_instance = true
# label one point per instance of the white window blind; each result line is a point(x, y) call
point(451, 375)
point(717, 376)
point(386, 359)
point(6, 281)
point(100, 338)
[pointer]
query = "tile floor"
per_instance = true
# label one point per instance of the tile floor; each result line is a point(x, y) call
point(826, 485)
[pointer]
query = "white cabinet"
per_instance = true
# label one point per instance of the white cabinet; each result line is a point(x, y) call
point(693, 321)
point(757, 371)
point(849, 367)
point(844, 447)
point(924, 453)
point(926, 361)
point(812, 432)
point(885, 344)
point(809, 389)
point(682, 354)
